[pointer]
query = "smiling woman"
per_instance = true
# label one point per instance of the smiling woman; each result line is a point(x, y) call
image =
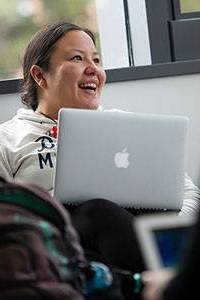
point(62, 68)
point(74, 77)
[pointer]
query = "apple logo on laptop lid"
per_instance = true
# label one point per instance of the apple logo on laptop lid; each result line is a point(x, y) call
point(121, 159)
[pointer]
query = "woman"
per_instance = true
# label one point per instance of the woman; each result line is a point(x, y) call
point(62, 68)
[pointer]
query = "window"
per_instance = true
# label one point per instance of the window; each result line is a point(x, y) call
point(19, 19)
point(130, 33)
point(174, 27)
point(124, 35)
point(184, 9)
point(113, 34)
point(189, 6)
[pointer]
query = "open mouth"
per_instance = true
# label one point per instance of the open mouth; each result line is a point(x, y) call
point(90, 87)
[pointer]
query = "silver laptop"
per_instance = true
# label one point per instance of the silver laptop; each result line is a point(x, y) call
point(135, 160)
point(164, 239)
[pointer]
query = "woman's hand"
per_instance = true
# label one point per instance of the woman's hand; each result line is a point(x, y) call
point(155, 282)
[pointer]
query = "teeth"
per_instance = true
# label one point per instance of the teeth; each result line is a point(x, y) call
point(88, 85)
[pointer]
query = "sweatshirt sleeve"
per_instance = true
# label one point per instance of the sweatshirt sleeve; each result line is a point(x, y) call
point(5, 168)
point(191, 198)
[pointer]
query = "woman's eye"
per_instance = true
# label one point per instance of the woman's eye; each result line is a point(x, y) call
point(76, 57)
point(96, 60)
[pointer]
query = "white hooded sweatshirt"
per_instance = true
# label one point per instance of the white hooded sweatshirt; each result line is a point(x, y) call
point(28, 153)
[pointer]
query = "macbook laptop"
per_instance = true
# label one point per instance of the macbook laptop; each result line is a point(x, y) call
point(164, 239)
point(135, 160)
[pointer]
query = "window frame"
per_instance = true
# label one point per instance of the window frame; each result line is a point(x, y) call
point(128, 33)
point(158, 14)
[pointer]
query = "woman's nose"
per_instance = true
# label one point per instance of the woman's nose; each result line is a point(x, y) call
point(91, 69)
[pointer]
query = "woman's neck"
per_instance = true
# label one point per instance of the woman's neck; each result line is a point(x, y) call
point(53, 115)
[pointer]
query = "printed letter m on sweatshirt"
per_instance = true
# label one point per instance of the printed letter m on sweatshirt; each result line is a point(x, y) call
point(45, 159)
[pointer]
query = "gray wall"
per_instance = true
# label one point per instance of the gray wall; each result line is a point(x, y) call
point(166, 95)
point(8, 106)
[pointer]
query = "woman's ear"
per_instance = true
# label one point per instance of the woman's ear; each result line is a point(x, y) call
point(38, 75)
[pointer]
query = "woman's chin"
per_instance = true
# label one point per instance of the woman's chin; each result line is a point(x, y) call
point(91, 104)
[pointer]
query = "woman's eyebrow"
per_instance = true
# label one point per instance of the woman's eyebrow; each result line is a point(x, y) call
point(83, 52)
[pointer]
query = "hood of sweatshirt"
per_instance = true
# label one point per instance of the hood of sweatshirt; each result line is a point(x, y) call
point(35, 116)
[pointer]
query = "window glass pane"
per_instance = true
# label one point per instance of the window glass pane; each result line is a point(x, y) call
point(189, 6)
point(112, 32)
point(19, 19)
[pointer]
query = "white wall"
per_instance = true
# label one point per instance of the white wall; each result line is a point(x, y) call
point(167, 95)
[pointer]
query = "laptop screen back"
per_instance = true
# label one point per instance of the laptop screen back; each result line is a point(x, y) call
point(134, 160)
point(172, 244)
point(164, 239)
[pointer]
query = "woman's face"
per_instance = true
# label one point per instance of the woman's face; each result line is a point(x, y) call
point(75, 77)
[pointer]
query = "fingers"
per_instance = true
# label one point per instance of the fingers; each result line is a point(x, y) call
point(154, 283)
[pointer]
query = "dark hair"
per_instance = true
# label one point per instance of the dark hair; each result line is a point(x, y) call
point(38, 52)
